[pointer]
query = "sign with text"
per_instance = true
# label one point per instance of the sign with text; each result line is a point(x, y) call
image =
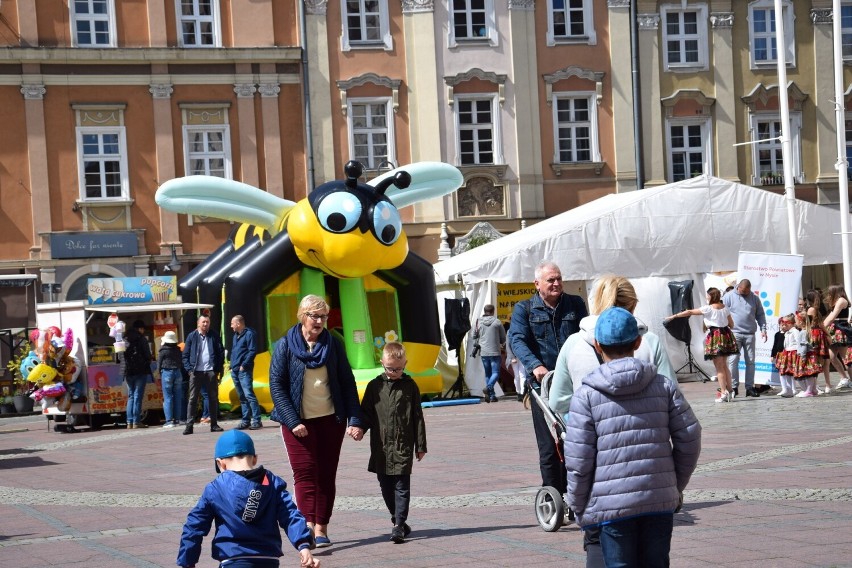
point(776, 281)
point(132, 290)
point(94, 244)
point(510, 294)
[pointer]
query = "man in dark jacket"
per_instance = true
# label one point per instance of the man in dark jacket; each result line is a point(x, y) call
point(539, 327)
point(243, 351)
point(204, 360)
point(136, 370)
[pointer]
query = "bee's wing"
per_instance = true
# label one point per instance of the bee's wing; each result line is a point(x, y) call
point(221, 198)
point(428, 180)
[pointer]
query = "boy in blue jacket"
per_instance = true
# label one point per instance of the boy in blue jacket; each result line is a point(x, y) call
point(248, 504)
point(631, 445)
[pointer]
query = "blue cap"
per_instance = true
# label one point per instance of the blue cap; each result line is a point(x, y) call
point(616, 326)
point(233, 443)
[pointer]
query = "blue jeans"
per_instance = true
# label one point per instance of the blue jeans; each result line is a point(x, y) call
point(172, 393)
point(205, 404)
point(745, 345)
point(244, 383)
point(491, 363)
point(641, 541)
point(135, 394)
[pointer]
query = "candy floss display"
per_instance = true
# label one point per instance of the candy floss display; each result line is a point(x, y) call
point(75, 374)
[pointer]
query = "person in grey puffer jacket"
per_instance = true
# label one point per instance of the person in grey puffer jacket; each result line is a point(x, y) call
point(491, 336)
point(631, 446)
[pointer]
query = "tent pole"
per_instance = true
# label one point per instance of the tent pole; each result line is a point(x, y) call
point(840, 120)
point(786, 140)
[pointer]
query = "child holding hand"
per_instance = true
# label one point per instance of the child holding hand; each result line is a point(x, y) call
point(391, 407)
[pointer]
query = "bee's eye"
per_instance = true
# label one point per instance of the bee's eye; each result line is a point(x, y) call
point(386, 222)
point(339, 212)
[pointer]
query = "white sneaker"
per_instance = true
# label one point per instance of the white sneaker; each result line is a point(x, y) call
point(714, 378)
point(843, 384)
point(169, 425)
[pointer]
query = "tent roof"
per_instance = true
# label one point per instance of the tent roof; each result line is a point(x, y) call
point(697, 225)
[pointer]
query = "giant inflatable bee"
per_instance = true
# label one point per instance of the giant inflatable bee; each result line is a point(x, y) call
point(344, 228)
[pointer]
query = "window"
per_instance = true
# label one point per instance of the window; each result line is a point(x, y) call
point(198, 23)
point(846, 29)
point(93, 23)
point(764, 50)
point(570, 21)
point(689, 145)
point(371, 131)
point(766, 154)
point(576, 128)
point(478, 140)
point(208, 151)
point(365, 24)
point(685, 37)
point(472, 22)
point(102, 158)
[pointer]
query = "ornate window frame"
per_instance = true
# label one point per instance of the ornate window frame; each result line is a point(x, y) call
point(385, 40)
point(389, 130)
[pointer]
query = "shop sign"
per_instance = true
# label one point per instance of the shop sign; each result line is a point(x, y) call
point(136, 290)
point(95, 244)
point(510, 294)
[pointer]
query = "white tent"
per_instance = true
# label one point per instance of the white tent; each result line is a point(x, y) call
point(678, 231)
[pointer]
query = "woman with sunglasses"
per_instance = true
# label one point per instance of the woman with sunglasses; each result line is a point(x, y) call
point(316, 403)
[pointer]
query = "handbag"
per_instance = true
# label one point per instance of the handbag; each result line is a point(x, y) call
point(845, 326)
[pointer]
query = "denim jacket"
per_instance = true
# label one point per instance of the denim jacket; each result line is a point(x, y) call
point(538, 331)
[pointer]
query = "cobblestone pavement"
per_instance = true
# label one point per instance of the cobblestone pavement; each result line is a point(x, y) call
point(773, 487)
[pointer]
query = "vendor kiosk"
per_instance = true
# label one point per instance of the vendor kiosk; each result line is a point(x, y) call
point(101, 398)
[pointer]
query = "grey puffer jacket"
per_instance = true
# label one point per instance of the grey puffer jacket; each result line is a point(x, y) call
point(632, 444)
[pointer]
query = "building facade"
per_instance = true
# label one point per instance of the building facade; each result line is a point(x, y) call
point(533, 100)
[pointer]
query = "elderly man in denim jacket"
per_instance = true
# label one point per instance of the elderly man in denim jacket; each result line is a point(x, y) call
point(539, 327)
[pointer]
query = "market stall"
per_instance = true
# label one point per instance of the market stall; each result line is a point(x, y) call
point(99, 395)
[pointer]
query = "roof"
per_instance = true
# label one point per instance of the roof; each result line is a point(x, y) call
point(694, 226)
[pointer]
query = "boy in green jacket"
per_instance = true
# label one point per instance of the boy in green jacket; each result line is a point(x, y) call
point(391, 407)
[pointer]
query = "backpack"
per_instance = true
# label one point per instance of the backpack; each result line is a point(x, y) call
point(135, 359)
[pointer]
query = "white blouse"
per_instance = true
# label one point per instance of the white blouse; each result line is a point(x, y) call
point(715, 317)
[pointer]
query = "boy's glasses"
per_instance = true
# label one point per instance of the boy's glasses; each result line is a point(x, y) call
point(394, 369)
point(317, 317)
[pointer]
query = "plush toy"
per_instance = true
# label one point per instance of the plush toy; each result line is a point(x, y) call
point(54, 391)
point(42, 374)
point(117, 333)
point(29, 363)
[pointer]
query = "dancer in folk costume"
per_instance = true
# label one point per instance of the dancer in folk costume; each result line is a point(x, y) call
point(809, 364)
point(838, 303)
point(819, 341)
point(787, 358)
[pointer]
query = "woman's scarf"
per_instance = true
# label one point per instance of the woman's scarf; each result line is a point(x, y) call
point(297, 345)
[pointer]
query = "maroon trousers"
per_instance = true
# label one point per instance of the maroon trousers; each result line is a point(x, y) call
point(314, 461)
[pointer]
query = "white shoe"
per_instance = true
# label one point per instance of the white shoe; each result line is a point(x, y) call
point(828, 390)
point(843, 384)
point(713, 378)
point(169, 425)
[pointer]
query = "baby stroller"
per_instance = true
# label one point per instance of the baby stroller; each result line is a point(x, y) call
point(550, 506)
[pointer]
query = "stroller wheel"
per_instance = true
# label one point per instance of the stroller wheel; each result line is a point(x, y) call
point(549, 509)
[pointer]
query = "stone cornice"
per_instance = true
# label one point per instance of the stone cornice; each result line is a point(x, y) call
point(161, 90)
point(574, 71)
point(415, 6)
point(821, 16)
point(381, 80)
point(33, 92)
point(476, 73)
point(245, 90)
point(616, 4)
point(762, 93)
point(648, 22)
point(522, 5)
point(268, 90)
point(316, 7)
point(148, 55)
point(721, 20)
